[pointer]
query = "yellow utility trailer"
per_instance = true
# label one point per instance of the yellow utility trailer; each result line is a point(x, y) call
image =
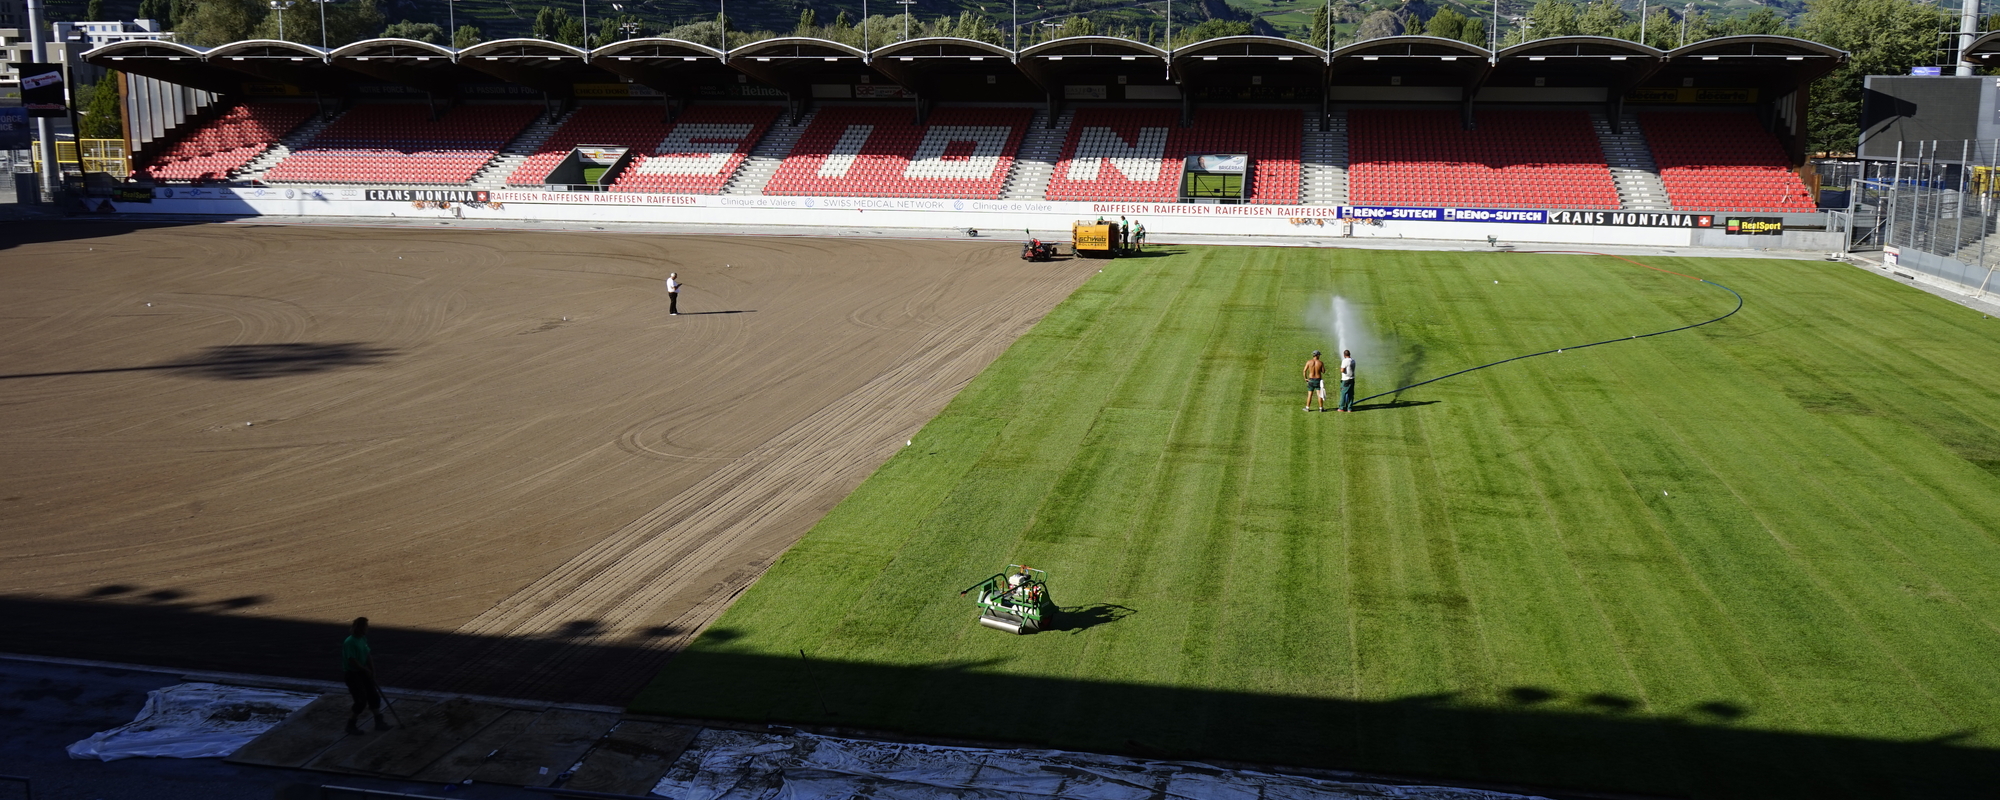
point(1094, 239)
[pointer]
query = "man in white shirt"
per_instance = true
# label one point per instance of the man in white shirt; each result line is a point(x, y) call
point(674, 294)
point(1347, 381)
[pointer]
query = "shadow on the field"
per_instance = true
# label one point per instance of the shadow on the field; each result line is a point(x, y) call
point(1519, 736)
point(706, 313)
point(1157, 252)
point(77, 229)
point(243, 362)
point(1359, 407)
point(1077, 619)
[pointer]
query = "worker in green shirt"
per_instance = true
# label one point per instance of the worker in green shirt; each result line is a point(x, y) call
point(357, 665)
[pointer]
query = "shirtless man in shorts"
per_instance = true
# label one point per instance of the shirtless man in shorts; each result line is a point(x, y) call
point(1315, 387)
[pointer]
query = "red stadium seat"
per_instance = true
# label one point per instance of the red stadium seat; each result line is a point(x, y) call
point(1138, 154)
point(1722, 162)
point(1536, 159)
point(402, 144)
point(695, 154)
point(213, 150)
point(880, 152)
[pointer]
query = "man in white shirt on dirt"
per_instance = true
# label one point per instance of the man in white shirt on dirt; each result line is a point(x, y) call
point(674, 294)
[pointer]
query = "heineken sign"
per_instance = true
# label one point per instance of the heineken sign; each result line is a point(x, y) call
point(1632, 219)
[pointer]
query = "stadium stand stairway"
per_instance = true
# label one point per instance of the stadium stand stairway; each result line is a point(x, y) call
point(256, 167)
point(494, 174)
point(1974, 248)
point(1631, 163)
point(766, 157)
point(1036, 162)
point(1323, 162)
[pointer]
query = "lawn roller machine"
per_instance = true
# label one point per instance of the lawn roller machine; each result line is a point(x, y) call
point(1013, 602)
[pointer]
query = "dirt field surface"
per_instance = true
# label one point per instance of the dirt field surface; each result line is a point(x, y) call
point(218, 443)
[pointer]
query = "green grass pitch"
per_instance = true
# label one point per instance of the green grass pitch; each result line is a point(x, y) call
point(1759, 559)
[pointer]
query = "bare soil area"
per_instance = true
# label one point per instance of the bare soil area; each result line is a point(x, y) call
point(218, 443)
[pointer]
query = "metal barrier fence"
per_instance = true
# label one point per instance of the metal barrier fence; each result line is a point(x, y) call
point(90, 155)
point(1935, 210)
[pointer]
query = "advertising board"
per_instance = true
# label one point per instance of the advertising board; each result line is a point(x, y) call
point(43, 91)
point(1632, 219)
point(1755, 226)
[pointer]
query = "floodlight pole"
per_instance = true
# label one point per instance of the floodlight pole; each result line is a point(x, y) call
point(281, 5)
point(586, 30)
point(1017, 27)
point(1968, 29)
point(37, 51)
point(906, 16)
point(322, 22)
point(1496, 26)
point(1642, 21)
point(1685, 14)
point(450, 21)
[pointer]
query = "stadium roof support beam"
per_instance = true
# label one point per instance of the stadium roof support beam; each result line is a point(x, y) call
point(166, 61)
point(1397, 69)
point(1572, 69)
point(1092, 61)
point(287, 63)
point(668, 66)
point(930, 66)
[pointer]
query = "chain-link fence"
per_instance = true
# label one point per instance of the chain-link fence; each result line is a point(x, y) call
point(1932, 211)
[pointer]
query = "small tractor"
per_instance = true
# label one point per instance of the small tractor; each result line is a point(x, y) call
point(1037, 250)
point(1015, 602)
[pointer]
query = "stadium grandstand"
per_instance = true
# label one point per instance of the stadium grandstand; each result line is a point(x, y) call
point(1410, 121)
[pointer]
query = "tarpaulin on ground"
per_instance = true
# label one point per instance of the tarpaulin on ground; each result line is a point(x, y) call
point(735, 765)
point(193, 720)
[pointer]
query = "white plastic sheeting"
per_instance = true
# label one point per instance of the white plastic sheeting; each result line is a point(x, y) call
point(734, 765)
point(193, 720)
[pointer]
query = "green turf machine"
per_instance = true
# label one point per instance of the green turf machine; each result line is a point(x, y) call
point(1013, 602)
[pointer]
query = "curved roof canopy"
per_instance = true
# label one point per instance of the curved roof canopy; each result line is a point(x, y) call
point(668, 66)
point(1575, 62)
point(794, 63)
point(1368, 70)
point(1984, 51)
point(278, 62)
point(950, 64)
point(1249, 61)
point(551, 67)
point(163, 60)
point(403, 61)
point(1772, 64)
point(1092, 60)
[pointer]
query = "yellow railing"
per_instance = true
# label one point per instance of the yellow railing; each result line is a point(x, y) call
point(90, 155)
